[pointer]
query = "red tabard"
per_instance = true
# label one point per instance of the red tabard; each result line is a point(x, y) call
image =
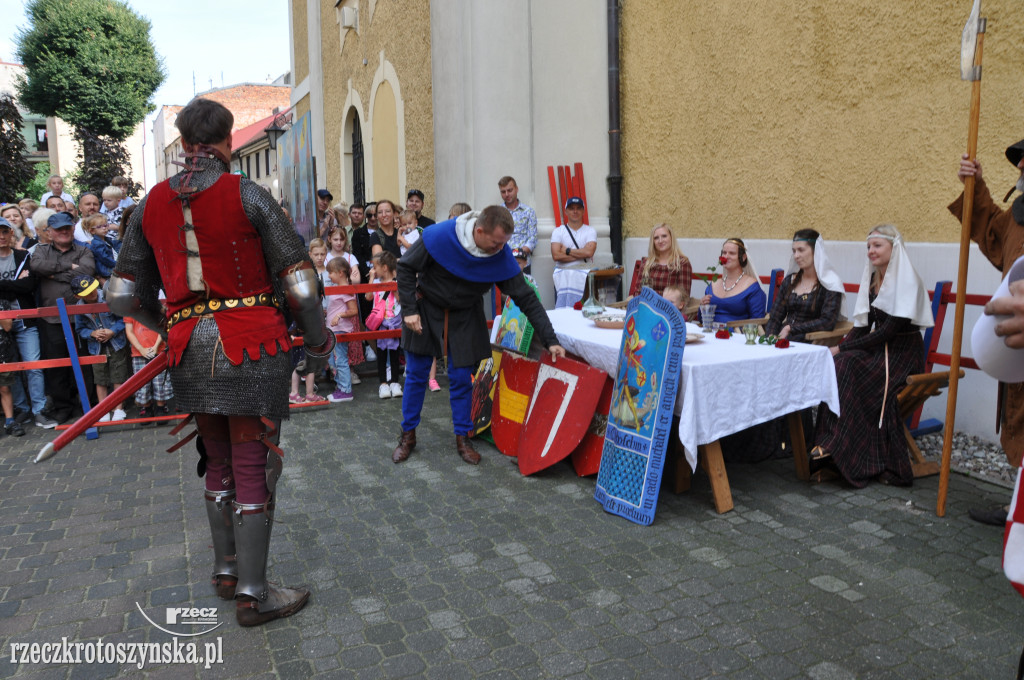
point(231, 253)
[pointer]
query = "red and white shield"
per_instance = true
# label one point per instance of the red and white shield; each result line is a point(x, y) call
point(561, 409)
point(516, 378)
point(586, 458)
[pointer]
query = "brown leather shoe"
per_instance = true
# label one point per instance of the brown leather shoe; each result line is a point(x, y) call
point(406, 443)
point(466, 450)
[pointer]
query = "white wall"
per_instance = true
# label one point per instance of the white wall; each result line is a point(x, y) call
point(976, 402)
point(523, 63)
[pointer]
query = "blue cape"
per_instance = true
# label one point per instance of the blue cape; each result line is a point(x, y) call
point(442, 243)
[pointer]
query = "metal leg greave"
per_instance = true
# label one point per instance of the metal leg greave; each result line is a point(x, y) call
point(259, 600)
point(222, 531)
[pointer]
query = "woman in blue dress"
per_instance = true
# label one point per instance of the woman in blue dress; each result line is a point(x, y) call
point(737, 295)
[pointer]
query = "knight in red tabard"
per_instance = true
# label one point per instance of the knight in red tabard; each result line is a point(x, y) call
point(228, 260)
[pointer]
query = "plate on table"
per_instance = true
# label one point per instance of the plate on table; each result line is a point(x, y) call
point(694, 337)
point(617, 322)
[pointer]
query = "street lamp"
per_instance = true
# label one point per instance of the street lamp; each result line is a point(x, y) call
point(277, 128)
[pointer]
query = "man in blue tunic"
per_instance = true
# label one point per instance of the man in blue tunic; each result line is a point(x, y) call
point(442, 279)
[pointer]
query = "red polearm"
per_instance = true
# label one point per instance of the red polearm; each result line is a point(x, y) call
point(130, 386)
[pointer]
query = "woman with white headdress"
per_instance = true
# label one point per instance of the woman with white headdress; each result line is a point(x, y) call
point(866, 440)
point(811, 296)
point(738, 294)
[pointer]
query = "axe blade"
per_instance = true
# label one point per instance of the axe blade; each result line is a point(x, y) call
point(969, 44)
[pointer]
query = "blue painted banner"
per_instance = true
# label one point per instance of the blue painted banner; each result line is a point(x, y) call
point(640, 417)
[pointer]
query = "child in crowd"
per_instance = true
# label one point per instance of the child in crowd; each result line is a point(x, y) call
point(305, 368)
point(342, 317)
point(28, 207)
point(678, 296)
point(104, 333)
point(385, 266)
point(145, 345)
point(457, 209)
point(8, 354)
point(112, 197)
point(408, 230)
point(104, 250)
point(338, 240)
point(318, 254)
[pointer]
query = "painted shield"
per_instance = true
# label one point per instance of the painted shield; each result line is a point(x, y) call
point(640, 414)
point(561, 409)
point(483, 392)
point(586, 458)
point(516, 379)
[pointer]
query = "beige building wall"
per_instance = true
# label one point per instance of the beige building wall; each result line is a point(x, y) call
point(300, 41)
point(389, 44)
point(757, 118)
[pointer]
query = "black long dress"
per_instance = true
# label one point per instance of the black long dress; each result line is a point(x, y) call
point(862, 449)
point(806, 313)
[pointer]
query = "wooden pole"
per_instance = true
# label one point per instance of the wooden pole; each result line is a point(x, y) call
point(961, 285)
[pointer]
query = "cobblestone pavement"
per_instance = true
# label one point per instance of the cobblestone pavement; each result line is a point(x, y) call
point(438, 569)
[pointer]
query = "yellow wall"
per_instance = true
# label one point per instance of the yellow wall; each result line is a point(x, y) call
point(402, 30)
point(300, 41)
point(758, 117)
point(385, 146)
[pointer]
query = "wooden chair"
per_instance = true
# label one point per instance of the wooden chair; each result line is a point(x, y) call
point(919, 389)
point(830, 338)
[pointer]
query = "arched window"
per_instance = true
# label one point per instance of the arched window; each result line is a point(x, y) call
point(358, 176)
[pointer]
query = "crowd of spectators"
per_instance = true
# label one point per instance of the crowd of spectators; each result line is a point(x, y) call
point(56, 247)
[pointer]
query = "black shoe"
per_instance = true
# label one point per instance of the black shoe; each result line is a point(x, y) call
point(162, 410)
point(995, 516)
point(14, 429)
point(45, 422)
point(147, 412)
point(23, 417)
point(62, 416)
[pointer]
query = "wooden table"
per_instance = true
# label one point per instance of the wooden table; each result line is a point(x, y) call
point(726, 386)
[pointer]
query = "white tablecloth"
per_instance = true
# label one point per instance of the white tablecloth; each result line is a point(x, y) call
point(727, 385)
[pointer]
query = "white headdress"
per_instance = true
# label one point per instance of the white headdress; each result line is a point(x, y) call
point(828, 277)
point(902, 292)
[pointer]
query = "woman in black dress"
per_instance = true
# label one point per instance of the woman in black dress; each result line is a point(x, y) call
point(811, 296)
point(866, 440)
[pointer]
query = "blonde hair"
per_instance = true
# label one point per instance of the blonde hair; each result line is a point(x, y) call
point(317, 243)
point(407, 215)
point(461, 208)
point(113, 192)
point(677, 260)
point(92, 221)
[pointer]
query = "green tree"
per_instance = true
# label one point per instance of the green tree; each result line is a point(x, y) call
point(89, 62)
point(15, 170)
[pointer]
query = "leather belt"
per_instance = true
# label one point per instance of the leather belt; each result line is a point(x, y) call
point(214, 305)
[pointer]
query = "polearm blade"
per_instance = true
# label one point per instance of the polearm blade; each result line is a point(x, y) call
point(970, 69)
point(154, 368)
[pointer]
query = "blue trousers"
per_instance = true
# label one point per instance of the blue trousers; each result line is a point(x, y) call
point(28, 346)
point(460, 393)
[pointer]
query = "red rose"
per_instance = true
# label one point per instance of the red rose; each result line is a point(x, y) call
point(578, 305)
point(722, 334)
point(722, 260)
point(782, 343)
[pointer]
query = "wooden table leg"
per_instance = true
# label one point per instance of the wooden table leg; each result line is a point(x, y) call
point(796, 435)
point(714, 465)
